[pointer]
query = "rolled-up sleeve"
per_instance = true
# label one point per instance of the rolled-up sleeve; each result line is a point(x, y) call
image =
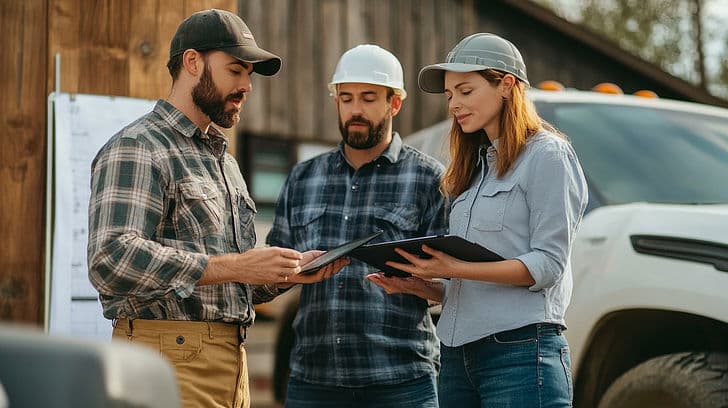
point(556, 195)
point(125, 209)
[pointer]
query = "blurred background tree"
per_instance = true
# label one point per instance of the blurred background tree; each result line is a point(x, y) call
point(687, 38)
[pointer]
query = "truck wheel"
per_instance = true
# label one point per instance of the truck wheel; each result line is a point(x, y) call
point(681, 380)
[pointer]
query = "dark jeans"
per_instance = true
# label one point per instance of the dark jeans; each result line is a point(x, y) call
point(418, 393)
point(527, 367)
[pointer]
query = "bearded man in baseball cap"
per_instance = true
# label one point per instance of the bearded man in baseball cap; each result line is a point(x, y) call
point(171, 236)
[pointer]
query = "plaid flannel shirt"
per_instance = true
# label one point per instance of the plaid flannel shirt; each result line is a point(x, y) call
point(349, 332)
point(164, 198)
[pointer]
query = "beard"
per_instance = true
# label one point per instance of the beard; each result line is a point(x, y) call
point(365, 140)
point(211, 102)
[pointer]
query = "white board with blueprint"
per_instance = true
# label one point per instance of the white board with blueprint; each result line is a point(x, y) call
point(83, 124)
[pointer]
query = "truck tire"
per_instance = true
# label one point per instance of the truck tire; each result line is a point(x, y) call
point(681, 380)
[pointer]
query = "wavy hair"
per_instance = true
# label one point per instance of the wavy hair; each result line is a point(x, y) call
point(519, 121)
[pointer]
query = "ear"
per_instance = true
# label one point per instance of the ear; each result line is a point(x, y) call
point(507, 84)
point(396, 103)
point(193, 62)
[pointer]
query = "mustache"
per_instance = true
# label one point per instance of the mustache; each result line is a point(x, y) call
point(358, 120)
point(236, 95)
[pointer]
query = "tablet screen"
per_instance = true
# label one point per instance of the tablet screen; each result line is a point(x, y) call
point(336, 253)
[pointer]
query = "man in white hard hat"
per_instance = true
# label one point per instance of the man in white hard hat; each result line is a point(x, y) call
point(356, 345)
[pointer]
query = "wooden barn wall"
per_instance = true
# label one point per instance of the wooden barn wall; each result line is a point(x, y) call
point(311, 35)
point(23, 70)
point(111, 47)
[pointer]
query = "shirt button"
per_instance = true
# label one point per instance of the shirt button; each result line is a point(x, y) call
point(204, 196)
point(346, 218)
point(338, 340)
point(354, 187)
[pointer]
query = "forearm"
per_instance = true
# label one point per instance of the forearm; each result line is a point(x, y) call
point(509, 272)
point(220, 269)
point(432, 291)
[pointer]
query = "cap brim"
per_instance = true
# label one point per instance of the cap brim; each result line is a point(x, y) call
point(264, 62)
point(432, 77)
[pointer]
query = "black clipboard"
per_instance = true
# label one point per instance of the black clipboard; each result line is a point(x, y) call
point(336, 253)
point(377, 254)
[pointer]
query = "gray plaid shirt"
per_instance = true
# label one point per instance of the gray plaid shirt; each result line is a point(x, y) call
point(164, 197)
point(349, 332)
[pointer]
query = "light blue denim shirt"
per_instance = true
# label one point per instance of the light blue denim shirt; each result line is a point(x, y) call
point(531, 214)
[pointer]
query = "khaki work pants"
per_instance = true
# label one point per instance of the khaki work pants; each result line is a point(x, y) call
point(208, 358)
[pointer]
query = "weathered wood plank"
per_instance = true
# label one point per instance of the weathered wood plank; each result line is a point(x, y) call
point(332, 45)
point(307, 95)
point(254, 117)
point(280, 101)
point(377, 20)
point(405, 17)
point(354, 29)
point(429, 109)
point(470, 18)
point(103, 63)
point(23, 50)
point(148, 50)
point(64, 38)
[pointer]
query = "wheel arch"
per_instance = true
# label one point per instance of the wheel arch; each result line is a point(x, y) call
point(636, 335)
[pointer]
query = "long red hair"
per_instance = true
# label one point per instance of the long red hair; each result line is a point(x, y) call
point(518, 122)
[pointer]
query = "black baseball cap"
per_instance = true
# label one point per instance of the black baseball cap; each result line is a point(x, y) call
point(225, 31)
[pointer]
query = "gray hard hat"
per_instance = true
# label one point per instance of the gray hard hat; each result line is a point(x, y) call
point(476, 52)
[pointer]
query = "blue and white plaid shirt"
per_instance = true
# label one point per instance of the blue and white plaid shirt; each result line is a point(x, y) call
point(349, 332)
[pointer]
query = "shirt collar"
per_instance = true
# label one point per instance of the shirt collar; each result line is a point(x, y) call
point(181, 123)
point(488, 152)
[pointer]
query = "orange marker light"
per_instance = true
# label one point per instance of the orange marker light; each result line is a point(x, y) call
point(609, 88)
point(646, 93)
point(550, 86)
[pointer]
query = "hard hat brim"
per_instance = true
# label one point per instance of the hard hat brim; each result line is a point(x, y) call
point(399, 91)
point(432, 77)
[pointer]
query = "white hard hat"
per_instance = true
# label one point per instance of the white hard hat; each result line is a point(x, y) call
point(369, 64)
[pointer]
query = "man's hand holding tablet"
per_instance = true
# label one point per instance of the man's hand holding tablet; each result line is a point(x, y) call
point(321, 265)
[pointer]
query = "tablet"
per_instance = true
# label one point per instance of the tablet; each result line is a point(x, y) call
point(336, 253)
point(377, 254)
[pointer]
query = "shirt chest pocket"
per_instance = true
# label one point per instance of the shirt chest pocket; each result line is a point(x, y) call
point(307, 225)
point(490, 206)
point(198, 212)
point(246, 209)
point(398, 221)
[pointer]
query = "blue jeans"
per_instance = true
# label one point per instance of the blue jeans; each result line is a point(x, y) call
point(527, 367)
point(418, 393)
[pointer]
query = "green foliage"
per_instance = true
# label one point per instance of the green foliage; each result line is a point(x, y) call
point(662, 32)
